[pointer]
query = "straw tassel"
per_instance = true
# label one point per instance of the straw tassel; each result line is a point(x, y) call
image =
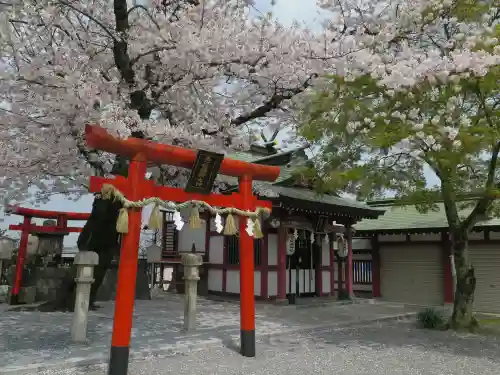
point(230, 228)
point(194, 218)
point(122, 222)
point(257, 229)
point(155, 221)
point(106, 191)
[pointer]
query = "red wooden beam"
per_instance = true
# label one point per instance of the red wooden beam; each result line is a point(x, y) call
point(45, 229)
point(31, 212)
point(158, 153)
point(150, 189)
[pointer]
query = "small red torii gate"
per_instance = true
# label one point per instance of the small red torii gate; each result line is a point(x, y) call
point(27, 228)
point(134, 188)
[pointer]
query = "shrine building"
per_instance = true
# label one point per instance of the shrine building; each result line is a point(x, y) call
point(411, 252)
point(300, 235)
point(396, 253)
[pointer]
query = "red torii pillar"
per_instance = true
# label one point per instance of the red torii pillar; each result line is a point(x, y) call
point(135, 187)
point(27, 228)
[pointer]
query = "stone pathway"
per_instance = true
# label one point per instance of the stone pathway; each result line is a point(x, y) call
point(33, 340)
point(382, 349)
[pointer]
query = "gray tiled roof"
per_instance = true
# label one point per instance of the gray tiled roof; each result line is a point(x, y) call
point(312, 196)
point(401, 218)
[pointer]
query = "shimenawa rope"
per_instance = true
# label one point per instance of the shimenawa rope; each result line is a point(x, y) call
point(155, 220)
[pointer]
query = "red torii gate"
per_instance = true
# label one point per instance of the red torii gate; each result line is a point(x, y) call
point(135, 188)
point(27, 227)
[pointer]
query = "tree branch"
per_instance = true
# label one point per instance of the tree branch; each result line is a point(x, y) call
point(272, 103)
point(142, 7)
point(96, 21)
point(154, 50)
point(483, 204)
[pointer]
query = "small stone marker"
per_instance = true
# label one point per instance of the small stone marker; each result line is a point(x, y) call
point(5, 255)
point(191, 263)
point(85, 261)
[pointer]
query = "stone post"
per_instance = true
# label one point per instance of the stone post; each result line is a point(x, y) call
point(191, 263)
point(85, 261)
point(5, 255)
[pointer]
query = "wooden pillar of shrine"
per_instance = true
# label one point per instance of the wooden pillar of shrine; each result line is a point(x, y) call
point(281, 273)
point(348, 264)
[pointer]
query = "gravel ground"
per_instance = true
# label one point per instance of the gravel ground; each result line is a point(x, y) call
point(33, 340)
point(389, 348)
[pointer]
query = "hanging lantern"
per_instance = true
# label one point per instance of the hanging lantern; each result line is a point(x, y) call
point(326, 240)
point(303, 235)
point(290, 244)
point(341, 246)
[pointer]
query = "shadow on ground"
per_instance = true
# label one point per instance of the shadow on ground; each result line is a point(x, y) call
point(392, 335)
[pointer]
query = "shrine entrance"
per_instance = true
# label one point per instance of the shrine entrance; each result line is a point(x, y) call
point(301, 268)
point(135, 192)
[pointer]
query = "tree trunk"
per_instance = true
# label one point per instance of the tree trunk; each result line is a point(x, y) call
point(463, 316)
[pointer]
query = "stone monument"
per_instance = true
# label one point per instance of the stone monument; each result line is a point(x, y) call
point(85, 261)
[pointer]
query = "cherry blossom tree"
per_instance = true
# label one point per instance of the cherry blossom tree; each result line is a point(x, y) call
point(427, 99)
point(185, 72)
point(194, 73)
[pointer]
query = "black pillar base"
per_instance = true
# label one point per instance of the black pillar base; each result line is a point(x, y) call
point(118, 360)
point(248, 343)
point(14, 299)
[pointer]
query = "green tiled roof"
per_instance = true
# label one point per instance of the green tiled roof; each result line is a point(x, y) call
point(312, 196)
point(401, 218)
point(243, 156)
point(285, 174)
point(295, 193)
point(249, 157)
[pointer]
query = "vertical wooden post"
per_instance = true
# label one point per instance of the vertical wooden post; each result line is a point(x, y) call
point(247, 298)
point(348, 264)
point(21, 257)
point(264, 266)
point(225, 261)
point(376, 291)
point(332, 265)
point(318, 266)
point(206, 257)
point(281, 274)
point(127, 274)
